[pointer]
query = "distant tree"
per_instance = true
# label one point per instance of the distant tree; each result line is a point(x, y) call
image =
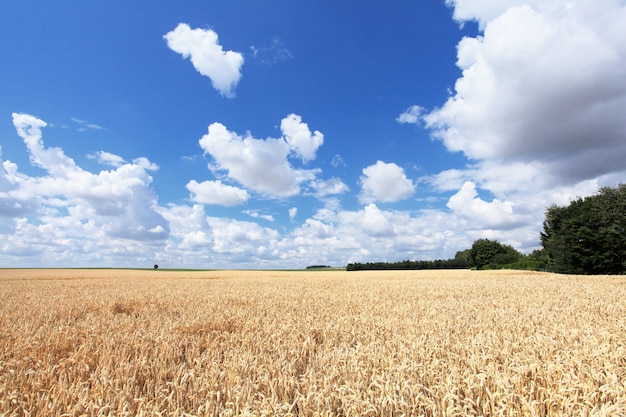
point(317, 266)
point(538, 258)
point(156, 266)
point(486, 252)
point(462, 258)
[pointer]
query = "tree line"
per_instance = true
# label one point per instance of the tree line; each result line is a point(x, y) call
point(484, 254)
point(586, 237)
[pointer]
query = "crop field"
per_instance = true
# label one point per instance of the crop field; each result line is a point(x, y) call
point(311, 343)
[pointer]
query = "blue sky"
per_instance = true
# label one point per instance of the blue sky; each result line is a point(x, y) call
point(282, 134)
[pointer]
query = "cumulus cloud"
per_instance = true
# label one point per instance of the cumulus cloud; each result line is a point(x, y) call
point(119, 202)
point(480, 213)
point(262, 165)
point(12, 204)
point(335, 236)
point(110, 216)
point(299, 138)
point(191, 235)
point(207, 56)
point(377, 223)
point(385, 182)
point(240, 238)
point(543, 83)
point(215, 192)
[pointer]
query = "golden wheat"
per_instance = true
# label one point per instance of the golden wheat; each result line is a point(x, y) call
point(393, 343)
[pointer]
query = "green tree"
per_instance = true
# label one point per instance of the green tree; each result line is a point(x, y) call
point(486, 252)
point(589, 235)
point(462, 258)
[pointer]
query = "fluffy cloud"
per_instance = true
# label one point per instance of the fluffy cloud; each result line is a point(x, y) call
point(262, 165)
point(238, 238)
point(207, 56)
point(299, 138)
point(538, 111)
point(335, 236)
point(191, 237)
point(375, 222)
point(215, 192)
point(544, 83)
point(80, 218)
point(119, 203)
point(12, 201)
point(480, 213)
point(385, 182)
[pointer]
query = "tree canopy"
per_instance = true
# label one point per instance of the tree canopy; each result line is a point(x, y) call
point(491, 252)
point(589, 235)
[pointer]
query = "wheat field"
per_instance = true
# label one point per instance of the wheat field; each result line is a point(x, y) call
point(331, 343)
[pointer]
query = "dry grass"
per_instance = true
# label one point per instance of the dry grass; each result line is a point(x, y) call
point(311, 343)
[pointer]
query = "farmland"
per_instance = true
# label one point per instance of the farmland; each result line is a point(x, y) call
point(311, 343)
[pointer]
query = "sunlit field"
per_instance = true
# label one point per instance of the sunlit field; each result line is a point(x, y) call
point(311, 343)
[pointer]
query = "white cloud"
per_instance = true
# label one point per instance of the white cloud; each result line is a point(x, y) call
point(299, 137)
point(191, 237)
point(81, 218)
point(336, 236)
point(411, 115)
point(119, 202)
point(482, 214)
point(449, 180)
point(107, 158)
point(538, 110)
point(238, 238)
point(259, 165)
point(332, 186)
point(51, 159)
point(480, 10)
point(215, 192)
point(375, 222)
point(212, 242)
point(543, 84)
point(145, 163)
point(12, 203)
point(385, 182)
point(257, 215)
point(207, 56)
